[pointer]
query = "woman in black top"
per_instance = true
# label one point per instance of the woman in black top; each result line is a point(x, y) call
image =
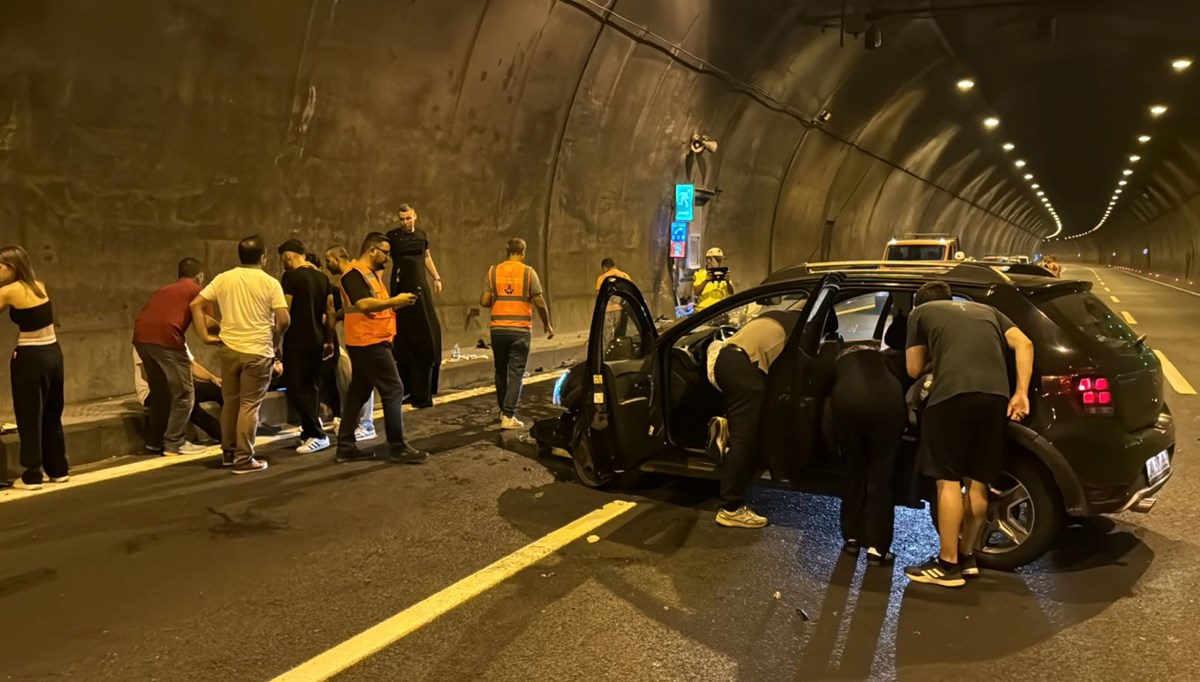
point(36, 371)
point(418, 343)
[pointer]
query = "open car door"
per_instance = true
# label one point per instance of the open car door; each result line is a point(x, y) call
point(796, 385)
point(623, 429)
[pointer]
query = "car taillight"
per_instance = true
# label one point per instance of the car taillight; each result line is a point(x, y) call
point(1093, 393)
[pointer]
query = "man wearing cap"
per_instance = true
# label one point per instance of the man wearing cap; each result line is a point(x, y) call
point(308, 341)
point(712, 284)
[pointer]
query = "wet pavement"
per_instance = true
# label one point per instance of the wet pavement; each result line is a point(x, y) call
point(187, 573)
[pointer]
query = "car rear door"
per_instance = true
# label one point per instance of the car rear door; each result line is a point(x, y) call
point(624, 427)
point(791, 427)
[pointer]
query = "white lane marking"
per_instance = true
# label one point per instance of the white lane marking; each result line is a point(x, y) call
point(1128, 318)
point(1115, 299)
point(1106, 288)
point(154, 463)
point(1174, 376)
point(386, 633)
point(1169, 286)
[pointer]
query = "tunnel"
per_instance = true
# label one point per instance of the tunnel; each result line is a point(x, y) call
point(136, 133)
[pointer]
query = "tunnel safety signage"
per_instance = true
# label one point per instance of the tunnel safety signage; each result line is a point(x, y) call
point(679, 232)
point(685, 202)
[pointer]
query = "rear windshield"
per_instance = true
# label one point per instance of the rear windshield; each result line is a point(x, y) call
point(916, 252)
point(1085, 316)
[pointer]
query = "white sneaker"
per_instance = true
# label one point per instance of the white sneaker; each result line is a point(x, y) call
point(740, 518)
point(362, 433)
point(511, 423)
point(20, 484)
point(313, 445)
point(192, 449)
point(46, 478)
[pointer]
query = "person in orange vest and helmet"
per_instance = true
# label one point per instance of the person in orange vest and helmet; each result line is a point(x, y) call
point(513, 290)
point(370, 325)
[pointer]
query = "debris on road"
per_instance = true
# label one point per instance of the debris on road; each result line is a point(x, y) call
point(593, 539)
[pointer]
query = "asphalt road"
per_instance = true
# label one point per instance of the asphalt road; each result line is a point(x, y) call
point(188, 573)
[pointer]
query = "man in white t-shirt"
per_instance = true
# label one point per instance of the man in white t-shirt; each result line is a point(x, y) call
point(254, 316)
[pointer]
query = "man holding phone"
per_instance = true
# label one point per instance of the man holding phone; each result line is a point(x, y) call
point(712, 284)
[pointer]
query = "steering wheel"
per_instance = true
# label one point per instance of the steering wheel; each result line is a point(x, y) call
point(724, 332)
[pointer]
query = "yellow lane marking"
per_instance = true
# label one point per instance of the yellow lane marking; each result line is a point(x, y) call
point(1115, 299)
point(422, 613)
point(154, 463)
point(1128, 318)
point(1174, 376)
point(1106, 288)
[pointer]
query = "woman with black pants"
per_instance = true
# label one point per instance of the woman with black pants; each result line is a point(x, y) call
point(36, 371)
point(869, 416)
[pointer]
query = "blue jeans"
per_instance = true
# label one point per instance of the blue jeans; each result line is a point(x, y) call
point(510, 350)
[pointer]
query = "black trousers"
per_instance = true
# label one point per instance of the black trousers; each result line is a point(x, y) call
point(744, 386)
point(869, 415)
point(417, 375)
point(206, 392)
point(37, 391)
point(373, 367)
point(302, 377)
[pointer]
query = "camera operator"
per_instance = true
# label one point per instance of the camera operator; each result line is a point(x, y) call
point(712, 284)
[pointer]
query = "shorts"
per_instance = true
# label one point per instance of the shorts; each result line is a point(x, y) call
point(963, 437)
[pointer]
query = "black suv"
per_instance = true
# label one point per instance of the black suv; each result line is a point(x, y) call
point(1099, 439)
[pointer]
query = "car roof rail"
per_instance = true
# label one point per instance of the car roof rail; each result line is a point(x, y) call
point(990, 273)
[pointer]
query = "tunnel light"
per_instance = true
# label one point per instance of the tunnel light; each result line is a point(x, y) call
point(1036, 186)
point(1029, 176)
point(965, 84)
point(1126, 172)
point(1157, 110)
point(991, 122)
point(1009, 146)
point(1123, 183)
point(1143, 138)
point(1181, 65)
point(1134, 158)
point(1019, 163)
point(1119, 191)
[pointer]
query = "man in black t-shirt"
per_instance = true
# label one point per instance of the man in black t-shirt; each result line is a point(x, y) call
point(962, 429)
point(308, 341)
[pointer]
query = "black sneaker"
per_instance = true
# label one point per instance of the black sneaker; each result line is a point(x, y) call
point(254, 465)
point(970, 567)
point(936, 572)
point(407, 455)
point(851, 547)
point(226, 459)
point(352, 454)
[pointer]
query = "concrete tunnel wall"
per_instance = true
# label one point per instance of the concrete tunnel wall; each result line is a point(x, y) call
point(134, 132)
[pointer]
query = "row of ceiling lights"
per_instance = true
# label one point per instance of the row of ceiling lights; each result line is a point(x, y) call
point(992, 123)
point(1179, 65)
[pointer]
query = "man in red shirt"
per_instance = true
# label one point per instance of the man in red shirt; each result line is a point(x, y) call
point(159, 338)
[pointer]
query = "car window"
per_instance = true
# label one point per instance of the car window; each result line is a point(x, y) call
point(623, 338)
point(739, 316)
point(916, 252)
point(1086, 314)
point(859, 315)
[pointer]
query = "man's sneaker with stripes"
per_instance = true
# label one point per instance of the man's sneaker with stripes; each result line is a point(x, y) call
point(936, 572)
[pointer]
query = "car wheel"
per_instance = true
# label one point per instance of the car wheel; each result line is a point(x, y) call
point(1025, 514)
point(581, 457)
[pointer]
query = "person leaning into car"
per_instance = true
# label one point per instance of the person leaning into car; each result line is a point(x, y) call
point(962, 430)
point(738, 368)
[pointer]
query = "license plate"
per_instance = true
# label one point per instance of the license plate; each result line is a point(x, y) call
point(1157, 467)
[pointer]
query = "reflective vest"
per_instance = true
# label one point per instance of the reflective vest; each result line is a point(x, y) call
point(367, 329)
point(509, 283)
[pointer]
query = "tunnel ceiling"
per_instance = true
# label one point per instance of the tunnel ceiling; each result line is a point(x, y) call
point(1072, 82)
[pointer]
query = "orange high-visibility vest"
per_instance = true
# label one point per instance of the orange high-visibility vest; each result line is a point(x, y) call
point(511, 305)
point(367, 329)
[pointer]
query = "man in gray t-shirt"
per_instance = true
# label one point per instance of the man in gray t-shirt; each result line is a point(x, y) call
point(962, 429)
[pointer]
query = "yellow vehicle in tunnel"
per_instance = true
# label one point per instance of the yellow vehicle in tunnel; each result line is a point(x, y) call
point(923, 246)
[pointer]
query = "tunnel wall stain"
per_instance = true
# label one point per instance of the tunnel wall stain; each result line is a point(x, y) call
point(134, 133)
